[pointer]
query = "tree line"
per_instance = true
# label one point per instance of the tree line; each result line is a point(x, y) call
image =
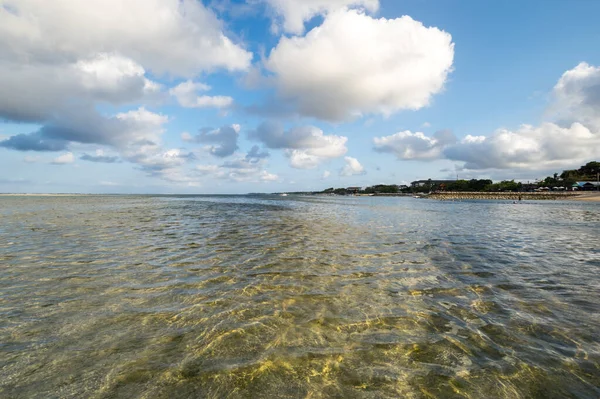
point(587, 172)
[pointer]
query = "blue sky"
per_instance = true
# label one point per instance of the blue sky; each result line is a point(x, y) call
point(182, 96)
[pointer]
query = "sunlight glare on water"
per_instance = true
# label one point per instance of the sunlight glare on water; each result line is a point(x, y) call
point(297, 297)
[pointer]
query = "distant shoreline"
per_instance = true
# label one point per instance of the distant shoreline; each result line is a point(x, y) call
point(593, 196)
point(517, 196)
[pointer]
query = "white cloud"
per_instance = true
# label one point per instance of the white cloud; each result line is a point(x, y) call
point(529, 147)
point(60, 53)
point(141, 125)
point(134, 135)
point(300, 159)
point(268, 177)
point(83, 125)
point(238, 170)
point(178, 37)
point(214, 101)
point(186, 95)
point(408, 145)
point(161, 160)
point(305, 146)
point(106, 76)
point(325, 175)
point(426, 125)
point(294, 13)
point(64, 159)
point(570, 140)
point(577, 96)
point(40, 91)
point(166, 164)
point(354, 64)
point(352, 167)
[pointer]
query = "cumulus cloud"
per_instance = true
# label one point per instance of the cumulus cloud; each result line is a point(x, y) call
point(166, 164)
point(56, 53)
point(224, 139)
point(325, 175)
point(571, 139)
point(135, 135)
point(305, 146)
point(530, 147)
point(576, 96)
point(89, 127)
point(302, 159)
point(292, 14)
point(113, 78)
point(186, 95)
point(36, 92)
point(177, 37)
point(214, 101)
point(408, 145)
point(62, 60)
point(352, 167)
point(354, 64)
point(157, 160)
point(63, 159)
point(238, 170)
point(268, 177)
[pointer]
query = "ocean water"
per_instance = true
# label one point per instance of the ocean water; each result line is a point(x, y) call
point(297, 297)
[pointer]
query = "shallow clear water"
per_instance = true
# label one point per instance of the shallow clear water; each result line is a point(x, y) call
point(299, 297)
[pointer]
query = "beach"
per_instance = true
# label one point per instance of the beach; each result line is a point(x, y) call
point(592, 196)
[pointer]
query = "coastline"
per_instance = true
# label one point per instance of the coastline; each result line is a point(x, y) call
point(516, 196)
point(593, 196)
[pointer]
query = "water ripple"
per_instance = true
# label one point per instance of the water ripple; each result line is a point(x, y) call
point(224, 296)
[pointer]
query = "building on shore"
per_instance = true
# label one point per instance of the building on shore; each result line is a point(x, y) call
point(423, 183)
point(430, 184)
point(586, 185)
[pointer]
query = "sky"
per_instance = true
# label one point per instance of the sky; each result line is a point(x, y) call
point(239, 96)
